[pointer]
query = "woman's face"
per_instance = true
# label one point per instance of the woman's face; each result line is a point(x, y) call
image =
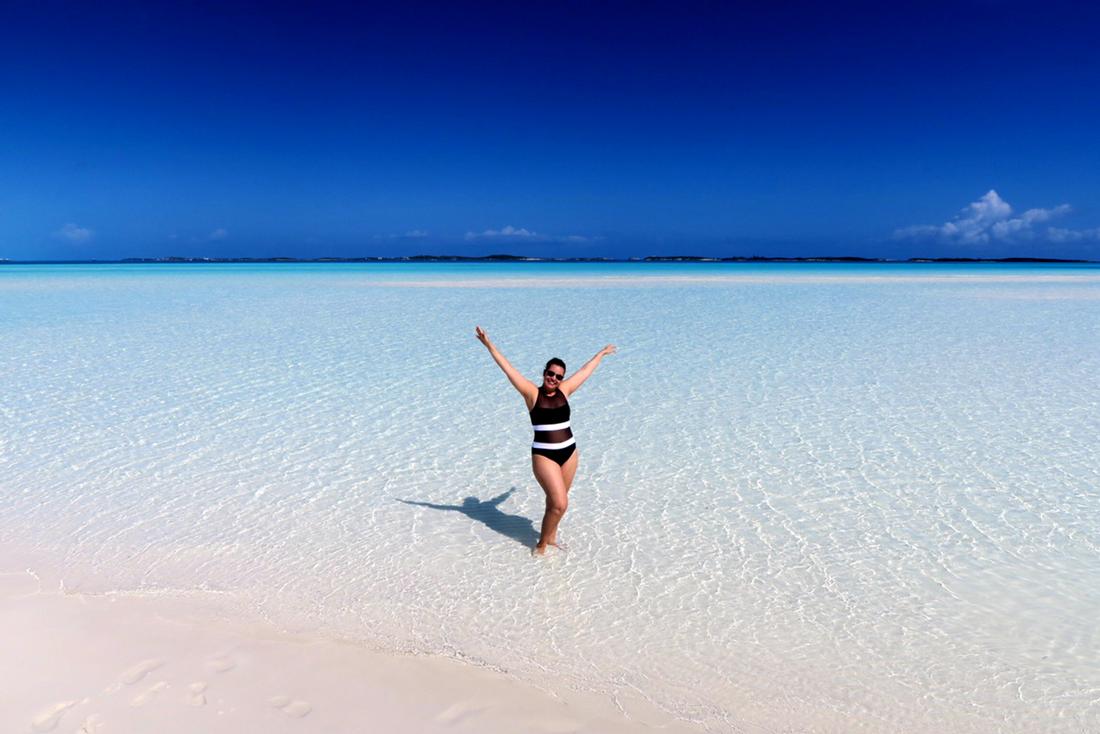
point(552, 376)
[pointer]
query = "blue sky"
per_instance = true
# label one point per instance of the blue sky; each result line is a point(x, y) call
point(554, 129)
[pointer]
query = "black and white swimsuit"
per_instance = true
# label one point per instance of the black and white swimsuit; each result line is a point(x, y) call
point(550, 419)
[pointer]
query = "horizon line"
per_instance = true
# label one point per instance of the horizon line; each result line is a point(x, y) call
point(176, 259)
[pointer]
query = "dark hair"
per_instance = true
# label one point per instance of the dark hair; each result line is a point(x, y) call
point(557, 361)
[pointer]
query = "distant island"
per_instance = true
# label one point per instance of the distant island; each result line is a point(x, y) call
point(523, 258)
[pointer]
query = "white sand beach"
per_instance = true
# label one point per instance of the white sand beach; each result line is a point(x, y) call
point(126, 664)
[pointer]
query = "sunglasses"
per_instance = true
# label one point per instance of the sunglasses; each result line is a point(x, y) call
point(555, 375)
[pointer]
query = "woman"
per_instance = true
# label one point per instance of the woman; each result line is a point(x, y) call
point(554, 452)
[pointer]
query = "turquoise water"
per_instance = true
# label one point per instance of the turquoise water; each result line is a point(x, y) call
point(489, 269)
point(810, 497)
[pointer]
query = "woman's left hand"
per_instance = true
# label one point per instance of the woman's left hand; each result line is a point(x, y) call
point(609, 349)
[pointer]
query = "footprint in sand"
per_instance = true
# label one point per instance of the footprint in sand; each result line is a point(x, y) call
point(92, 725)
point(293, 708)
point(49, 718)
point(143, 698)
point(136, 672)
point(196, 694)
point(459, 711)
point(220, 664)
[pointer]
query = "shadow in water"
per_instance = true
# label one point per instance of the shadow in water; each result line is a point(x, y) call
point(516, 527)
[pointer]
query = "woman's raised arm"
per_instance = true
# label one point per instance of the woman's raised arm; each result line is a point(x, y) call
point(571, 383)
point(526, 388)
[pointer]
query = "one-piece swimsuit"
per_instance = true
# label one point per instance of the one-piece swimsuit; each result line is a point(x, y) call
point(550, 419)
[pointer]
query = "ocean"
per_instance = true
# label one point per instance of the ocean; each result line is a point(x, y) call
point(810, 497)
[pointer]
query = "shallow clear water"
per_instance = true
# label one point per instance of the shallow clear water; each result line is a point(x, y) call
point(820, 498)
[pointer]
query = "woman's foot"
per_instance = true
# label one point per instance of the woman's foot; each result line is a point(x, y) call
point(540, 549)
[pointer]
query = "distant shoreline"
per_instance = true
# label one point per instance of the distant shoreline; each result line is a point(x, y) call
point(521, 258)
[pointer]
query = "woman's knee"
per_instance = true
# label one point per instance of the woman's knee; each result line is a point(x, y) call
point(557, 503)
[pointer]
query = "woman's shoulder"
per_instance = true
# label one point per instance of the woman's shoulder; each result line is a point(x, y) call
point(533, 400)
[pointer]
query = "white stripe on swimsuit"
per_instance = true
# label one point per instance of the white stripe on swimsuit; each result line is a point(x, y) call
point(551, 426)
point(540, 445)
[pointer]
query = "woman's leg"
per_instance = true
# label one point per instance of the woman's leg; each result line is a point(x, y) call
point(569, 470)
point(549, 476)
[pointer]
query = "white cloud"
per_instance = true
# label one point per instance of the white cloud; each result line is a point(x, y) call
point(218, 234)
point(506, 231)
point(986, 220)
point(412, 234)
point(1057, 234)
point(72, 233)
point(520, 233)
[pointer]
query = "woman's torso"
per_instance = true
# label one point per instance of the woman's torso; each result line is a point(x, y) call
point(550, 419)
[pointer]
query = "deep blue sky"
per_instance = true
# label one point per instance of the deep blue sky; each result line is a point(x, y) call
point(617, 129)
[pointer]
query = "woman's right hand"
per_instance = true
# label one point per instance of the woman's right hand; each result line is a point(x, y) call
point(482, 337)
